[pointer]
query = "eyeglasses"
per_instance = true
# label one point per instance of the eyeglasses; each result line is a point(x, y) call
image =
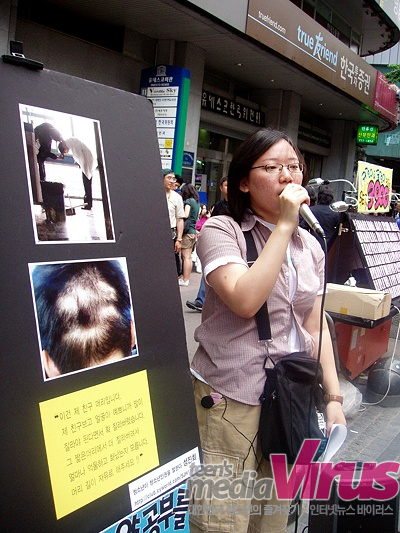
point(293, 168)
point(170, 179)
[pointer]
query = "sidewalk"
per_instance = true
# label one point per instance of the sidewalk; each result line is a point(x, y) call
point(373, 433)
point(192, 318)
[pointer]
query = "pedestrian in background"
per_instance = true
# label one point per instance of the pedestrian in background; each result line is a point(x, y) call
point(178, 183)
point(328, 219)
point(203, 217)
point(176, 214)
point(220, 208)
point(190, 198)
point(312, 194)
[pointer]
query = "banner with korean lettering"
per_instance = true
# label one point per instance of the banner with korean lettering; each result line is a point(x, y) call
point(391, 8)
point(168, 89)
point(159, 499)
point(230, 108)
point(167, 514)
point(285, 28)
point(374, 185)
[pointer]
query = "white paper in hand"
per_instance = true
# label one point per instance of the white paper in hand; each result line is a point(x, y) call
point(337, 436)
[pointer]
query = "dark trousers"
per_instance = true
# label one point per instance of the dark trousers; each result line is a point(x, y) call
point(87, 185)
point(42, 170)
point(178, 261)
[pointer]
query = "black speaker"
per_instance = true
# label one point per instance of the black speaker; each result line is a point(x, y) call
point(340, 516)
point(378, 382)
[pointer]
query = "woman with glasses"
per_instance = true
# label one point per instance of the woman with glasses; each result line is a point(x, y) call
point(264, 194)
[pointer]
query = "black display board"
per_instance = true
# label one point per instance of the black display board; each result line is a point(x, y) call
point(378, 242)
point(137, 233)
point(367, 247)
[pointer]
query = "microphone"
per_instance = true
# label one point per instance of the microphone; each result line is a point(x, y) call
point(309, 217)
point(208, 401)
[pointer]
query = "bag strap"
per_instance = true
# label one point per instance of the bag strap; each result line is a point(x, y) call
point(262, 316)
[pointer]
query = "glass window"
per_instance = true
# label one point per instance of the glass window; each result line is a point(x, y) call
point(204, 138)
point(342, 26)
point(211, 140)
point(309, 8)
point(325, 11)
point(233, 145)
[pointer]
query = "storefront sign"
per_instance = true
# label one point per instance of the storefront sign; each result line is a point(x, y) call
point(385, 97)
point(285, 28)
point(313, 136)
point(188, 159)
point(230, 108)
point(168, 89)
point(367, 134)
point(391, 8)
point(374, 188)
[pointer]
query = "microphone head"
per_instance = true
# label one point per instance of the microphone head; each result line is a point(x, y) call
point(207, 402)
point(339, 206)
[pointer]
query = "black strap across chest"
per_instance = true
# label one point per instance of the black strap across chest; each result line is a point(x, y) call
point(262, 317)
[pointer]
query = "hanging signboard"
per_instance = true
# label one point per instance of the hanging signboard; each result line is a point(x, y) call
point(374, 188)
point(230, 108)
point(168, 89)
point(367, 134)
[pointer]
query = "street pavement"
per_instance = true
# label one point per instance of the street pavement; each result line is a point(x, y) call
point(373, 432)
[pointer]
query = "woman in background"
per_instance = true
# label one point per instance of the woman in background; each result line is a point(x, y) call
point(203, 217)
point(191, 205)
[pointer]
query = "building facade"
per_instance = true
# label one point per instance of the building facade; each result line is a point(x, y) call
point(294, 65)
point(386, 152)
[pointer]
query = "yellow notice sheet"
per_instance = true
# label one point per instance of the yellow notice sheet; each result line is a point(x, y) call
point(97, 439)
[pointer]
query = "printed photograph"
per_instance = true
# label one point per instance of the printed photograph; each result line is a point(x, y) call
point(66, 175)
point(84, 314)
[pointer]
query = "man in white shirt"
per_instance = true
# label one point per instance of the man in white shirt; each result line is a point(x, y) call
point(176, 213)
point(84, 157)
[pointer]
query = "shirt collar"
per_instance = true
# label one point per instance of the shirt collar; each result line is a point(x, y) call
point(250, 220)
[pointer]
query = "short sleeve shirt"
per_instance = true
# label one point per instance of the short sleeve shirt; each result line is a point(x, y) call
point(175, 207)
point(194, 214)
point(230, 357)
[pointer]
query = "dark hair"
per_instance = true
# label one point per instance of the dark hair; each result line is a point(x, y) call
point(189, 191)
point(62, 147)
point(312, 194)
point(223, 180)
point(84, 312)
point(325, 195)
point(179, 179)
point(244, 158)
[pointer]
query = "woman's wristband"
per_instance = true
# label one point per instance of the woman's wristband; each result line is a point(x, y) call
point(333, 398)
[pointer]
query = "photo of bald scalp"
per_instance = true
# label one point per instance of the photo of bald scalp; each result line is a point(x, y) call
point(84, 314)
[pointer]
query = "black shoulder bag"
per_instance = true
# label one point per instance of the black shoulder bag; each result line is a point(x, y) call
point(292, 402)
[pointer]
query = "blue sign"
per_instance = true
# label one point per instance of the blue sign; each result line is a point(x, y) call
point(188, 159)
point(168, 89)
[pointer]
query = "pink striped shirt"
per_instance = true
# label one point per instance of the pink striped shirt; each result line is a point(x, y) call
point(229, 356)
